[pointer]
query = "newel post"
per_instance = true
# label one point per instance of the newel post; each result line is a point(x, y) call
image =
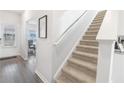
point(105, 61)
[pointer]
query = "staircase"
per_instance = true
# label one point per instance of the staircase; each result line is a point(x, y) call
point(81, 66)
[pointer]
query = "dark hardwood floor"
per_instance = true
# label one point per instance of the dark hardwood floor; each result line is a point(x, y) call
point(16, 70)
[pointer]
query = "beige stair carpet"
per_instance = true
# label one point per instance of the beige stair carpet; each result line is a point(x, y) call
point(81, 66)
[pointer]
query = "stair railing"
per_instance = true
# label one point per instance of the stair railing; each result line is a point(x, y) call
point(66, 31)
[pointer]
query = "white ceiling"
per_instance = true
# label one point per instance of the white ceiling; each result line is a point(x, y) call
point(16, 11)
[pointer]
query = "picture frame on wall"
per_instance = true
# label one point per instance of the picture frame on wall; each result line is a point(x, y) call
point(42, 27)
point(9, 35)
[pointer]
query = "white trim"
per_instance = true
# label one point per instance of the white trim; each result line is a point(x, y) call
point(70, 53)
point(24, 58)
point(41, 76)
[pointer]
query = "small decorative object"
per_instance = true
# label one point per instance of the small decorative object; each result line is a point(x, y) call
point(42, 27)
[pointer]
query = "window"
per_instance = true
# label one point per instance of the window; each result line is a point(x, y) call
point(9, 35)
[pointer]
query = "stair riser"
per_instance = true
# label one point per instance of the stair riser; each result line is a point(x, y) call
point(89, 37)
point(91, 33)
point(88, 71)
point(88, 50)
point(89, 43)
point(85, 58)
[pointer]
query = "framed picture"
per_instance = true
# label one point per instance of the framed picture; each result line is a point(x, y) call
point(42, 27)
point(9, 35)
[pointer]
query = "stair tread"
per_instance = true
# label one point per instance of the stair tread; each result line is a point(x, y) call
point(86, 54)
point(88, 41)
point(97, 21)
point(82, 63)
point(93, 28)
point(98, 18)
point(89, 35)
point(60, 80)
point(92, 31)
point(78, 74)
point(86, 46)
point(95, 24)
point(63, 79)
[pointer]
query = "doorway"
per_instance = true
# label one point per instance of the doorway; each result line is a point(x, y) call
point(31, 37)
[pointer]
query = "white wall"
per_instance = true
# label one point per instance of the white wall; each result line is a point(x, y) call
point(118, 68)
point(44, 51)
point(121, 22)
point(27, 16)
point(118, 63)
point(109, 27)
point(43, 46)
point(63, 19)
point(12, 19)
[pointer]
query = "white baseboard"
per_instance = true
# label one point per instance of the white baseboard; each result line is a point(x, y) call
point(41, 76)
point(24, 58)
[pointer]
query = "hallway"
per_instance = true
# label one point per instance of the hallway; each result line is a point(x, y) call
point(16, 70)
